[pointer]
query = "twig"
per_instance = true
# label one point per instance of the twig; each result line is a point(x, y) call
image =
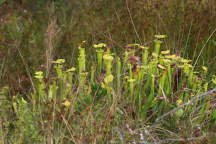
point(181, 139)
point(204, 47)
point(196, 98)
point(133, 22)
point(25, 64)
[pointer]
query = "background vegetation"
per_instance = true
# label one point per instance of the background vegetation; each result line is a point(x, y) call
point(35, 33)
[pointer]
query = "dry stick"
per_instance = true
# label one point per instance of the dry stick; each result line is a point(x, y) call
point(186, 45)
point(168, 140)
point(26, 66)
point(68, 127)
point(196, 98)
point(2, 72)
point(165, 141)
point(132, 22)
point(181, 139)
point(204, 47)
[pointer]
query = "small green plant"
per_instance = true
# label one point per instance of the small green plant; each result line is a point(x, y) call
point(99, 52)
point(82, 67)
point(108, 80)
point(118, 75)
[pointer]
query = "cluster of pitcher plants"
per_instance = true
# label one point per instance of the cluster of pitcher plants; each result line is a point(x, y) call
point(142, 83)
